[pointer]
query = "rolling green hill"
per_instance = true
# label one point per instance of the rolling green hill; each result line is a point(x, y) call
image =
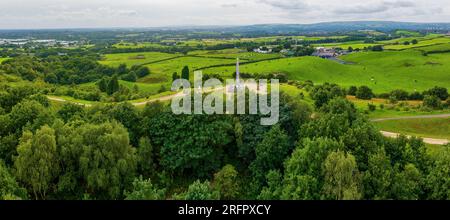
point(382, 71)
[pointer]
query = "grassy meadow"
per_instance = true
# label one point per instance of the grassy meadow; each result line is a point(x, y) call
point(382, 71)
point(430, 127)
point(131, 59)
point(421, 43)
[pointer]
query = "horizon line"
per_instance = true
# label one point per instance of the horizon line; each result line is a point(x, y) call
point(207, 26)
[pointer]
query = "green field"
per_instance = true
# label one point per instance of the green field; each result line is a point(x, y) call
point(431, 127)
point(382, 71)
point(440, 48)
point(162, 71)
point(421, 43)
point(408, 33)
point(346, 45)
point(235, 53)
point(131, 59)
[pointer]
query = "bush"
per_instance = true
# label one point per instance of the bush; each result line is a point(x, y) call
point(372, 107)
point(364, 92)
point(415, 96)
point(377, 48)
point(352, 90)
point(439, 92)
point(431, 102)
point(399, 94)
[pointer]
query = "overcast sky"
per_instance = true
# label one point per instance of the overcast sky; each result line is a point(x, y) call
point(17, 14)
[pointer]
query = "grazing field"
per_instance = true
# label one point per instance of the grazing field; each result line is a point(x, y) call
point(346, 45)
point(131, 59)
point(409, 39)
point(381, 71)
point(440, 48)
point(431, 127)
point(296, 93)
point(162, 71)
point(126, 45)
point(421, 43)
point(408, 33)
point(235, 53)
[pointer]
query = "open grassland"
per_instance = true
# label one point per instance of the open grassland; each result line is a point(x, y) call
point(408, 33)
point(381, 71)
point(409, 39)
point(421, 43)
point(430, 127)
point(346, 45)
point(126, 45)
point(235, 53)
point(296, 93)
point(439, 48)
point(162, 71)
point(131, 59)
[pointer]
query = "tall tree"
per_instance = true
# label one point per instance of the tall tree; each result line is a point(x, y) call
point(342, 178)
point(9, 188)
point(270, 153)
point(226, 182)
point(36, 164)
point(146, 165)
point(377, 178)
point(201, 191)
point(113, 85)
point(185, 73)
point(98, 160)
point(144, 190)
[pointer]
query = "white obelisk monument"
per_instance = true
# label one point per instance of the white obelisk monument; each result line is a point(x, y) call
point(238, 83)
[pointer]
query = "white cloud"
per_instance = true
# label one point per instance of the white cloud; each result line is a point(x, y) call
point(156, 13)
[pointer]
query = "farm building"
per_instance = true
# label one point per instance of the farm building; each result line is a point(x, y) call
point(325, 52)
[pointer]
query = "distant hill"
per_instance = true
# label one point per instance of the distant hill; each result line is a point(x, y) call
point(341, 26)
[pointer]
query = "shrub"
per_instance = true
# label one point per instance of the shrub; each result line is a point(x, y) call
point(439, 92)
point(352, 90)
point(415, 96)
point(399, 94)
point(372, 107)
point(431, 102)
point(364, 92)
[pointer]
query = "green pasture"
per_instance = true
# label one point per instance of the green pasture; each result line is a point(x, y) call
point(162, 71)
point(381, 71)
point(439, 48)
point(408, 33)
point(429, 127)
point(128, 45)
point(421, 43)
point(346, 45)
point(131, 59)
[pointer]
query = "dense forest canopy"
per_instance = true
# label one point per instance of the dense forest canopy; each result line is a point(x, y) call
point(120, 152)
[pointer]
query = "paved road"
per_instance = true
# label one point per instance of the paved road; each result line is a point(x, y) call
point(412, 117)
